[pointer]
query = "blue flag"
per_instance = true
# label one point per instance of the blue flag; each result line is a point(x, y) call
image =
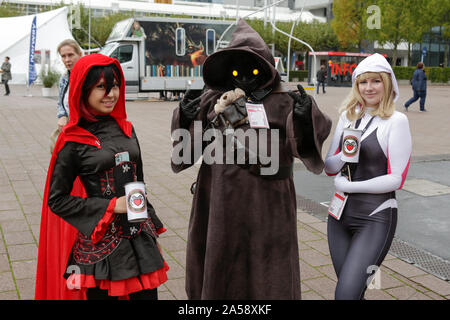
point(31, 68)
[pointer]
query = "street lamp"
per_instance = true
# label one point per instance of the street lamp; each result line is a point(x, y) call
point(294, 23)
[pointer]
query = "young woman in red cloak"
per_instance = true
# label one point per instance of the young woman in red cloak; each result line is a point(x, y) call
point(87, 247)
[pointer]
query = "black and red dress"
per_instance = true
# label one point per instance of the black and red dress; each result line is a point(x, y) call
point(83, 243)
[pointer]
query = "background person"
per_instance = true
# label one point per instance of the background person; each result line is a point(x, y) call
point(419, 86)
point(361, 238)
point(70, 52)
point(137, 31)
point(5, 70)
point(321, 77)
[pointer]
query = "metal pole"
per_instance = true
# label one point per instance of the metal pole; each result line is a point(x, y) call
point(306, 44)
point(89, 31)
point(294, 23)
point(256, 11)
point(273, 17)
point(265, 13)
point(289, 52)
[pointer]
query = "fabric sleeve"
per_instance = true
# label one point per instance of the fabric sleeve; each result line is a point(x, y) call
point(398, 156)
point(423, 81)
point(6, 67)
point(187, 143)
point(333, 162)
point(82, 213)
point(104, 223)
point(61, 112)
point(308, 148)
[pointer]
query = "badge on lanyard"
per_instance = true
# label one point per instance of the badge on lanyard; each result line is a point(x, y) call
point(337, 204)
point(257, 115)
point(122, 157)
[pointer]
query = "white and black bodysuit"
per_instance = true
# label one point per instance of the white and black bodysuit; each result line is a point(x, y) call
point(363, 235)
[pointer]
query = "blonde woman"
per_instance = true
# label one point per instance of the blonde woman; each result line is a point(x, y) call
point(360, 239)
point(70, 52)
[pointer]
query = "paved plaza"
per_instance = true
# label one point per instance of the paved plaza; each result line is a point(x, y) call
point(27, 121)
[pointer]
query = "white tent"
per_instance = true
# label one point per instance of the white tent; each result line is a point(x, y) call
point(52, 28)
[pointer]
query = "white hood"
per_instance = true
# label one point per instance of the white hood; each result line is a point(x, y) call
point(376, 63)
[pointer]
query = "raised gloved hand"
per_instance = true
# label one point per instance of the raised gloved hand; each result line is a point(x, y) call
point(303, 120)
point(190, 107)
point(302, 105)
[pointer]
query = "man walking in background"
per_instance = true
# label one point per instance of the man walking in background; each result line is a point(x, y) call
point(419, 86)
point(321, 78)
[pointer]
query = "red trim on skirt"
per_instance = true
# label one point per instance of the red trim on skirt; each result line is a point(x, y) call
point(121, 288)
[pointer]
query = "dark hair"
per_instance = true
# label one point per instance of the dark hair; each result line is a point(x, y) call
point(109, 73)
point(7, 58)
point(420, 65)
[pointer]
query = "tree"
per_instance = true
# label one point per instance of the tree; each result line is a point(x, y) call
point(398, 24)
point(7, 11)
point(349, 23)
point(103, 26)
point(318, 35)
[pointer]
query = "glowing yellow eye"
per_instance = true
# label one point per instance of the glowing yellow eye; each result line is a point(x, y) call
point(235, 73)
point(255, 72)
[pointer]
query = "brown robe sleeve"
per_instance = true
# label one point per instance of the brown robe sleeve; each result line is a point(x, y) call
point(311, 155)
point(187, 142)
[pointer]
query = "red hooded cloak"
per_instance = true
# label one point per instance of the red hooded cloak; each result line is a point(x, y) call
point(57, 236)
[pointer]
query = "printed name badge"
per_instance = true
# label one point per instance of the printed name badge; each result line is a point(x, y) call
point(122, 157)
point(337, 204)
point(257, 115)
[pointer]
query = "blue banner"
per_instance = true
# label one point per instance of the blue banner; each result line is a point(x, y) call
point(31, 68)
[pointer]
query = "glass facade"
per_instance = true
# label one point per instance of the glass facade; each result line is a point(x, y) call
point(436, 48)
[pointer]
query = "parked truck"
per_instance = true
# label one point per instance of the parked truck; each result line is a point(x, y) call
point(165, 54)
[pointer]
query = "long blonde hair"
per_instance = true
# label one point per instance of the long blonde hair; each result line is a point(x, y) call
point(386, 107)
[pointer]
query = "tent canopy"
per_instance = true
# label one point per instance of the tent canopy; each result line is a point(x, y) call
point(52, 28)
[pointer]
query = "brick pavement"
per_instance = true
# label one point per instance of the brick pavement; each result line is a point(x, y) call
point(26, 122)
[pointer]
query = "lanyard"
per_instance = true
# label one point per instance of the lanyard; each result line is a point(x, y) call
point(365, 128)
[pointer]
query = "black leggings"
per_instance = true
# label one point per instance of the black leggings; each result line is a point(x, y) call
point(99, 294)
point(358, 243)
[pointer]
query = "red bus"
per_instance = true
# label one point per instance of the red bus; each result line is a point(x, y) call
point(339, 66)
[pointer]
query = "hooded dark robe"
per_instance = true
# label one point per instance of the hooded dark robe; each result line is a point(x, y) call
point(242, 240)
point(77, 233)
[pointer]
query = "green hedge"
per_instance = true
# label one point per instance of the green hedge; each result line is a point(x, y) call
point(403, 73)
point(435, 74)
point(300, 75)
